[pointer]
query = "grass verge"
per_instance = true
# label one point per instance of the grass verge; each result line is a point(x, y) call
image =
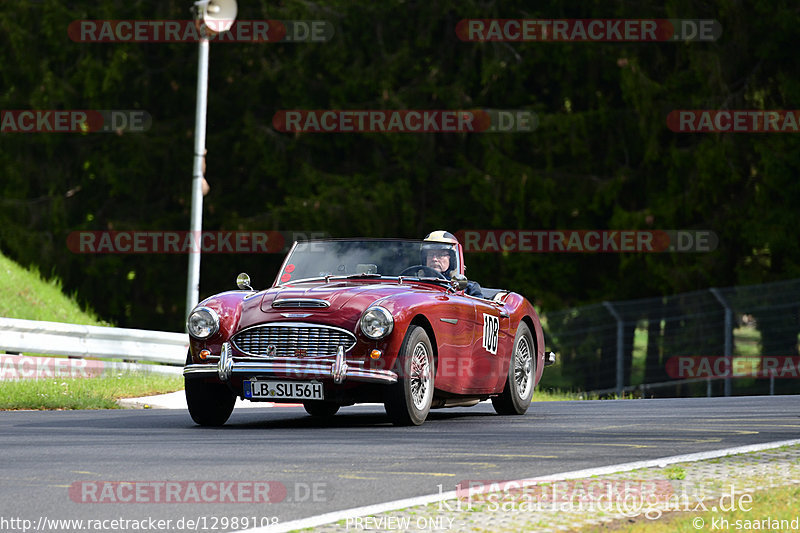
point(25, 294)
point(84, 393)
point(557, 395)
point(103, 392)
point(770, 510)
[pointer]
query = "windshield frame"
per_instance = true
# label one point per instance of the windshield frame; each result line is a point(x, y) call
point(435, 280)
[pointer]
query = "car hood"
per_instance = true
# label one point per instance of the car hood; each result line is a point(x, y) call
point(337, 295)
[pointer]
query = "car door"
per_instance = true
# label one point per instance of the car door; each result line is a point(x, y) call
point(453, 321)
point(489, 346)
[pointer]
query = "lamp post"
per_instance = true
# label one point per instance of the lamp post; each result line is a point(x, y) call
point(211, 16)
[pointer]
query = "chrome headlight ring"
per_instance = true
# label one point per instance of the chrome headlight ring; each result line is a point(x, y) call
point(203, 322)
point(376, 322)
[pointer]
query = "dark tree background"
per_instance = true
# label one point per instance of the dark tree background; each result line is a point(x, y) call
point(601, 158)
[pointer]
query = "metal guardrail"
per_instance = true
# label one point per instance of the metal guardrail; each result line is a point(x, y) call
point(57, 338)
point(16, 367)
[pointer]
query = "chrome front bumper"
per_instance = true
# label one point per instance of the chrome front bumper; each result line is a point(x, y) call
point(336, 369)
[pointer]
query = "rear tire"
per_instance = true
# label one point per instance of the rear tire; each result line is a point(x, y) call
point(516, 396)
point(320, 408)
point(408, 401)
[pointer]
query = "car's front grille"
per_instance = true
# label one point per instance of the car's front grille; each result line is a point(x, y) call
point(293, 340)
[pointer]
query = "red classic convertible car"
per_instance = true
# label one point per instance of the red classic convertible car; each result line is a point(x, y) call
point(351, 321)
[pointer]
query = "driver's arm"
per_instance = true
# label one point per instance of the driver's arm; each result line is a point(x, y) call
point(473, 289)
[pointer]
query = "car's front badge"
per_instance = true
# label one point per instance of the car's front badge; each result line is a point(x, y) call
point(295, 315)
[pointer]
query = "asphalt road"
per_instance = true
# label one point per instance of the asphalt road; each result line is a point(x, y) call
point(53, 464)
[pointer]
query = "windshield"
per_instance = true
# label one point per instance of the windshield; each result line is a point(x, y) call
point(314, 259)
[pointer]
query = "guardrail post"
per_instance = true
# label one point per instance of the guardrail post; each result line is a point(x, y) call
point(728, 335)
point(620, 354)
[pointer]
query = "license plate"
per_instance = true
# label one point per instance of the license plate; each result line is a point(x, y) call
point(295, 390)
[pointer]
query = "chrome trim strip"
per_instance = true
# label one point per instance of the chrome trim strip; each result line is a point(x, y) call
point(299, 302)
point(201, 368)
point(449, 320)
point(293, 325)
point(297, 360)
point(291, 371)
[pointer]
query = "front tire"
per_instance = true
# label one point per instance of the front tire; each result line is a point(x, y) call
point(210, 404)
point(516, 396)
point(408, 401)
point(320, 408)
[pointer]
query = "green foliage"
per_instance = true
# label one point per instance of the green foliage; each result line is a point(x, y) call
point(601, 158)
point(675, 472)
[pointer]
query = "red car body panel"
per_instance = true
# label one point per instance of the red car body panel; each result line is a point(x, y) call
point(463, 365)
point(455, 323)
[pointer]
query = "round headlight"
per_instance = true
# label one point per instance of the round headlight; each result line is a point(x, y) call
point(376, 322)
point(202, 323)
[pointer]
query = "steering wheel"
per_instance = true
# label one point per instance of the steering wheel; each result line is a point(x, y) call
point(431, 272)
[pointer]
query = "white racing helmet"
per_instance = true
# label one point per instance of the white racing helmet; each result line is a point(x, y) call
point(441, 240)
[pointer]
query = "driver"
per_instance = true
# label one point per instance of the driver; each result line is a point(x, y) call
point(440, 252)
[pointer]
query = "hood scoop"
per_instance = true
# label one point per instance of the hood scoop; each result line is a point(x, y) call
point(299, 303)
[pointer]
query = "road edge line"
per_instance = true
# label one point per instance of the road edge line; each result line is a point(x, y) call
point(335, 516)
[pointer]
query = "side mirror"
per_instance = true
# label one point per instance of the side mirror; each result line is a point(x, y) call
point(243, 281)
point(458, 282)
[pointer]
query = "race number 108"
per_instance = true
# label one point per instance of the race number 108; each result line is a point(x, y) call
point(491, 333)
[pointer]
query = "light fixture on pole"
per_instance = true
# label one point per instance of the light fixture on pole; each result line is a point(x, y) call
point(211, 16)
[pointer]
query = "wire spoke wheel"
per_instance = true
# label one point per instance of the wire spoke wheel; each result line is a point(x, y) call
point(408, 401)
point(420, 377)
point(523, 367)
point(516, 396)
